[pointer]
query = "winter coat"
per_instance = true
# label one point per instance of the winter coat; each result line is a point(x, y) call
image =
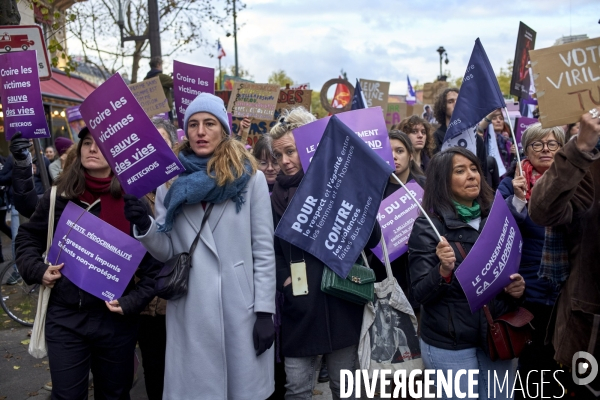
point(536, 290)
point(37, 177)
point(568, 195)
point(30, 244)
point(25, 198)
point(316, 323)
point(210, 350)
point(446, 319)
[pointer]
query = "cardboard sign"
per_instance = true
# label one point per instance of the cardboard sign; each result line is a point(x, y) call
point(521, 80)
point(134, 149)
point(229, 81)
point(17, 38)
point(567, 81)
point(395, 113)
point(188, 82)
point(151, 96)
point(21, 96)
point(396, 216)
point(98, 257)
point(367, 123)
point(254, 100)
point(495, 256)
point(375, 92)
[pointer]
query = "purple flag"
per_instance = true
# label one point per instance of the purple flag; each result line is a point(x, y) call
point(521, 125)
point(367, 123)
point(134, 149)
point(397, 214)
point(98, 257)
point(188, 82)
point(21, 96)
point(493, 259)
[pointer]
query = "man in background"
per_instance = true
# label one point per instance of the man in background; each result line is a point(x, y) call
point(166, 81)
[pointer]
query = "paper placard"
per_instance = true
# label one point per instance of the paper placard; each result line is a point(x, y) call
point(151, 96)
point(254, 100)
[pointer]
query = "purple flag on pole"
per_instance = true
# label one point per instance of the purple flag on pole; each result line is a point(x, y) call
point(493, 259)
point(188, 82)
point(397, 214)
point(367, 123)
point(21, 96)
point(521, 125)
point(98, 257)
point(134, 149)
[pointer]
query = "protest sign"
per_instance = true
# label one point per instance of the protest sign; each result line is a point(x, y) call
point(254, 100)
point(375, 92)
point(397, 214)
point(134, 149)
point(21, 96)
point(521, 125)
point(395, 113)
point(367, 123)
point(495, 256)
point(98, 257)
point(332, 214)
point(566, 79)
point(151, 96)
point(188, 82)
point(229, 81)
point(493, 150)
point(521, 80)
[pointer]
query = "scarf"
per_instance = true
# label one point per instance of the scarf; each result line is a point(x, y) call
point(467, 213)
point(111, 209)
point(283, 191)
point(531, 176)
point(195, 186)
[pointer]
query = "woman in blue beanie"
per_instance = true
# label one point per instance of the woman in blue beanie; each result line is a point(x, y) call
point(220, 334)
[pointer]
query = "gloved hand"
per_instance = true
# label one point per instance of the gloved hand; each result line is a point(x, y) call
point(19, 147)
point(137, 213)
point(264, 332)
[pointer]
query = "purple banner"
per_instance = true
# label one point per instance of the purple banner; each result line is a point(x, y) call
point(21, 96)
point(396, 216)
point(522, 124)
point(134, 149)
point(367, 123)
point(188, 82)
point(493, 259)
point(98, 257)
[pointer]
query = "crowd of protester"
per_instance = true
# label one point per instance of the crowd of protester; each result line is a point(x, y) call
point(240, 332)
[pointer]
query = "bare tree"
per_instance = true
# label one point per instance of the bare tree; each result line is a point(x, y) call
point(182, 25)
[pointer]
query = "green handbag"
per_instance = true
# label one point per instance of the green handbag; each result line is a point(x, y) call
point(358, 287)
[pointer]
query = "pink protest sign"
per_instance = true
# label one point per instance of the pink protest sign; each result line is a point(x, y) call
point(98, 257)
point(367, 123)
point(134, 149)
point(21, 96)
point(396, 216)
point(188, 82)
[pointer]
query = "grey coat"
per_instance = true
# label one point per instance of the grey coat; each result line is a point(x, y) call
point(210, 351)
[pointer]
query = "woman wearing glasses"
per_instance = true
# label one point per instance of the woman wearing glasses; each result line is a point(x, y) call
point(266, 161)
point(541, 246)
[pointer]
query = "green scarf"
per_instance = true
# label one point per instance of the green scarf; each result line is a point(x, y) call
point(467, 213)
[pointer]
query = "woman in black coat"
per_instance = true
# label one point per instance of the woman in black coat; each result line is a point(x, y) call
point(83, 331)
point(453, 338)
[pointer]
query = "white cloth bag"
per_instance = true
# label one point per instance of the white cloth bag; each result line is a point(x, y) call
point(388, 338)
point(37, 344)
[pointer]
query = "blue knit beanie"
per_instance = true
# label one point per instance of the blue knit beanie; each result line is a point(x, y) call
point(206, 102)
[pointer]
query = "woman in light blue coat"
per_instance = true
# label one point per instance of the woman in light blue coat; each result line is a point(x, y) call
point(219, 335)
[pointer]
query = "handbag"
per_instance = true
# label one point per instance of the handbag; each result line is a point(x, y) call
point(172, 280)
point(388, 336)
point(508, 334)
point(358, 287)
point(37, 343)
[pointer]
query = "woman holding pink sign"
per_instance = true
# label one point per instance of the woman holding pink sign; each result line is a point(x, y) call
point(84, 332)
point(220, 333)
point(452, 338)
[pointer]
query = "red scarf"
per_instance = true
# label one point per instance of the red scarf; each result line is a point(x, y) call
point(531, 176)
point(111, 209)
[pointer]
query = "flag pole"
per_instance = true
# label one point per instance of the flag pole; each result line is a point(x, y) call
point(514, 140)
point(418, 205)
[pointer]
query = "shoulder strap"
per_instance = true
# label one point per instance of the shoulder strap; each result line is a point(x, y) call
point(206, 215)
point(461, 250)
point(50, 222)
point(488, 315)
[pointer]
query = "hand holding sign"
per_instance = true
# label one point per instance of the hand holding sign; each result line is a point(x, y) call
point(52, 274)
point(516, 287)
point(447, 257)
point(519, 185)
point(589, 132)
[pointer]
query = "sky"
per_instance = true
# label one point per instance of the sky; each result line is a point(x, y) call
point(312, 40)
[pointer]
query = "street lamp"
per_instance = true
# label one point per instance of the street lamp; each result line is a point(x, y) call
point(442, 51)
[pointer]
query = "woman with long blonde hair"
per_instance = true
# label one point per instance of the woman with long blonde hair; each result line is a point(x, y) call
point(219, 333)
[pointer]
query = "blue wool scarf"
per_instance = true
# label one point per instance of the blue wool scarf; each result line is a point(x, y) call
point(195, 186)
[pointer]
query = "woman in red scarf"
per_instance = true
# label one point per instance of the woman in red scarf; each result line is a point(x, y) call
point(84, 332)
